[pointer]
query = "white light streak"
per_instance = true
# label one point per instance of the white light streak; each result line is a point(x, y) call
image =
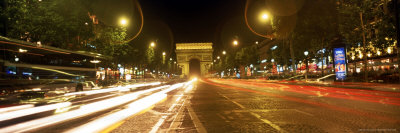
point(123, 88)
point(29, 111)
point(82, 111)
point(133, 108)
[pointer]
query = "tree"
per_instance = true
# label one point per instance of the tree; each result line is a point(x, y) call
point(51, 22)
point(366, 22)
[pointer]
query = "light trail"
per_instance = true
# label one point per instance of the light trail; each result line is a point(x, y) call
point(13, 108)
point(133, 108)
point(334, 92)
point(120, 88)
point(29, 111)
point(299, 100)
point(82, 111)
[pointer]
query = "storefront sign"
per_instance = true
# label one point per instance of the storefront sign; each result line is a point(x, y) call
point(340, 63)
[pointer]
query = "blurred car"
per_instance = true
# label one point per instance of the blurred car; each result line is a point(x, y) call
point(22, 96)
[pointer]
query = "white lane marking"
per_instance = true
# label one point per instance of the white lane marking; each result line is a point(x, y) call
point(241, 106)
point(158, 124)
point(276, 127)
point(179, 98)
point(270, 110)
point(303, 112)
point(199, 126)
point(222, 117)
point(178, 118)
point(155, 128)
point(154, 112)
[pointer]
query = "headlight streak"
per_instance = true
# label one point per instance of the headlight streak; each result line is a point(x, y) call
point(119, 88)
point(13, 108)
point(189, 88)
point(133, 108)
point(29, 111)
point(82, 111)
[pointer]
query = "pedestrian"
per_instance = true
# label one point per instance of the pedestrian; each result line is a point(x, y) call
point(79, 87)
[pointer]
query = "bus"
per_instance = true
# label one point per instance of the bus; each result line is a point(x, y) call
point(26, 65)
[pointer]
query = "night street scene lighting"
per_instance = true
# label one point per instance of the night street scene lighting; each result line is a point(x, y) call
point(221, 66)
point(123, 22)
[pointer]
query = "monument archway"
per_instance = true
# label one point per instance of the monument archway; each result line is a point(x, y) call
point(194, 58)
point(194, 68)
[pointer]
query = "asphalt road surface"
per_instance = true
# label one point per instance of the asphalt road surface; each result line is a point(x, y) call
point(247, 106)
point(216, 105)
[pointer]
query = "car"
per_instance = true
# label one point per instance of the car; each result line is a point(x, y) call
point(22, 96)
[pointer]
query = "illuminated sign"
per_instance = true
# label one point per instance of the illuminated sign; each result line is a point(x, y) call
point(340, 63)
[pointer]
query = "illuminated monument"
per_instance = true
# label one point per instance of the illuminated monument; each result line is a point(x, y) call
point(194, 58)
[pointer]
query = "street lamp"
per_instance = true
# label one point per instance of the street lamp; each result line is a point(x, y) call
point(218, 57)
point(264, 16)
point(163, 53)
point(235, 42)
point(152, 44)
point(123, 21)
point(224, 52)
point(306, 54)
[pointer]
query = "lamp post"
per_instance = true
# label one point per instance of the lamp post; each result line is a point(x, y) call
point(235, 43)
point(123, 22)
point(264, 16)
point(163, 55)
point(306, 54)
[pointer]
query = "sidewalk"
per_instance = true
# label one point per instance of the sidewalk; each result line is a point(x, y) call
point(349, 85)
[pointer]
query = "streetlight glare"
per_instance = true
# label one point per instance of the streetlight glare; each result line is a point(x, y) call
point(152, 44)
point(224, 52)
point(235, 42)
point(264, 16)
point(123, 21)
point(163, 53)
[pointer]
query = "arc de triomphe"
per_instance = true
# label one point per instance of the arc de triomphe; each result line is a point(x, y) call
point(188, 52)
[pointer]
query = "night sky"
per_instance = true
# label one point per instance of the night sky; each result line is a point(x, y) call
point(167, 22)
point(178, 21)
point(193, 20)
